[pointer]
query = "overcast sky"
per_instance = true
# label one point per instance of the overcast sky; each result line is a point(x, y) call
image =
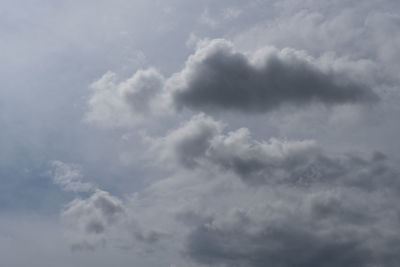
point(200, 133)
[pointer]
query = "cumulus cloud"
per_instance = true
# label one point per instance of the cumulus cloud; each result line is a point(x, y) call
point(89, 218)
point(230, 199)
point(218, 77)
point(202, 143)
point(124, 103)
point(187, 144)
point(92, 218)
point(98, 218)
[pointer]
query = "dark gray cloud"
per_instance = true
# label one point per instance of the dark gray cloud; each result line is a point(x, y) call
point(218, 77)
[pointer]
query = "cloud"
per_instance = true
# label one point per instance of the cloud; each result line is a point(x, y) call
point(231, 200)
point(215, 219)
point(218, 77)
point(99, 217)
point(187, 144)
point(92, 218)
point(275, 246)
point(114, 103)
point(215, 195)
point(283, 226)
point(202, 143)
point(69, 177)
point(309, 207)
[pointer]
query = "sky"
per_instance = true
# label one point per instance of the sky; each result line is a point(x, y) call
point(200, 133)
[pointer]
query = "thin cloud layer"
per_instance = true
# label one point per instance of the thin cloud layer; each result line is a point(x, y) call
point(220, 78)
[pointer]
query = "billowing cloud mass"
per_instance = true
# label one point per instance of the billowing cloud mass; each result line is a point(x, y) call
point(229, 199)
point(201, 143)
point(218, 77)
point(232, 200)
point(313, 209)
